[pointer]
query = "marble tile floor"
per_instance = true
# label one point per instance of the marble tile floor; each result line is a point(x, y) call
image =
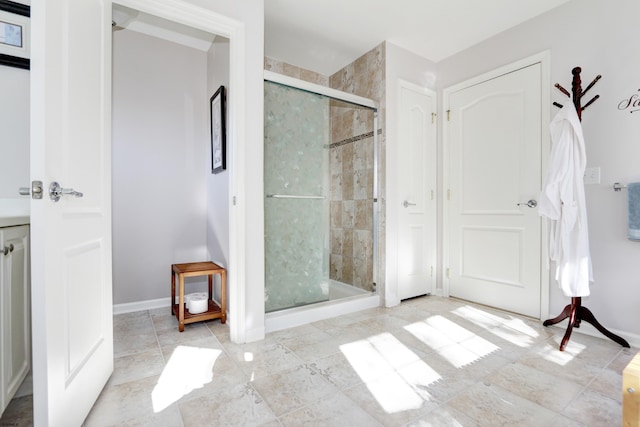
point(429, 362)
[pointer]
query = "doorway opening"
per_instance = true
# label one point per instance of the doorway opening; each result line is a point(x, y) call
point(167, 206)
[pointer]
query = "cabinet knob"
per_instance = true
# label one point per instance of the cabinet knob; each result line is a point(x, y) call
point(7, 249)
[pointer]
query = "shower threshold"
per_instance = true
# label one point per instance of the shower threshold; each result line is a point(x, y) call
point(298, 316)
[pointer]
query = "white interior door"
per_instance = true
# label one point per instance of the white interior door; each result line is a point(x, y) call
point(71, 238)
point(416, 190)
point(494, 143)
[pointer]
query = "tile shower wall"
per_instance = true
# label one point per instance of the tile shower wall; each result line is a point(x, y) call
point(352, 163)
point(351, 167)
point(295, 72)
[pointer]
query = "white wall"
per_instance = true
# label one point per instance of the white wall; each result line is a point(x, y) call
point(400, 65)
point(160, 163)
point(218, 184)
point(14, 131)
point(599, 38)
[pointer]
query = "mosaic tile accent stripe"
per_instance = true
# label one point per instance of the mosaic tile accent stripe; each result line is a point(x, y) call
point(354, 139)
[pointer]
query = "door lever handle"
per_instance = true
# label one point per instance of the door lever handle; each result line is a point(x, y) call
point(531, 203)
point(56, 192)
point(406, 204)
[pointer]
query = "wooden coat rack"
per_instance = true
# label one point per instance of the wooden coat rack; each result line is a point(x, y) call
point(575, 311)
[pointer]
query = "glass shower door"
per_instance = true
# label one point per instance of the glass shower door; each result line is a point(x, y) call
point(296, 185)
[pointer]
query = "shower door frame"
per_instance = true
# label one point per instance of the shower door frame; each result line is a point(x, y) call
point(272, 77)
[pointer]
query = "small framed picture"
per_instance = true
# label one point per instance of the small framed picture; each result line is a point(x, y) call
point(14, 34)
point(218, 132)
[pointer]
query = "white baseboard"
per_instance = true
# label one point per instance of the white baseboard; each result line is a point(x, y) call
point(151, 304)
point(131, 307)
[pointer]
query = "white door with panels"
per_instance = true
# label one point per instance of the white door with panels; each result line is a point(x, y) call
point(416, 191)
point(493, 151)
point(71, 237)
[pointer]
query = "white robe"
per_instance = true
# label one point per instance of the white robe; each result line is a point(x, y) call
point(563, 202)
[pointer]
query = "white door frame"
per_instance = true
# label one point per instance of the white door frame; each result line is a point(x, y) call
point(209, 21)
point(544, 59)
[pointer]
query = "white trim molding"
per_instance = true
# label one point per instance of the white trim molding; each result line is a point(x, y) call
point(132, 307)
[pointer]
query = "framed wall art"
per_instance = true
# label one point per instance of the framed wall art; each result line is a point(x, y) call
point(218, 132)
point(14, 34)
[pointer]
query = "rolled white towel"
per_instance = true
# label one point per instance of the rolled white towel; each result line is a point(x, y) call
point(198, 302)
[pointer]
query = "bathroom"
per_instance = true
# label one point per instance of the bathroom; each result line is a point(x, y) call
point(614, 256)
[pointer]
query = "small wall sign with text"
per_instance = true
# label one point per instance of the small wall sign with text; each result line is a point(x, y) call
point(630, 104)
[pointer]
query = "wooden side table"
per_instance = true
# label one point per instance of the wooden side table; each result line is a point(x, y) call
point(198, 269)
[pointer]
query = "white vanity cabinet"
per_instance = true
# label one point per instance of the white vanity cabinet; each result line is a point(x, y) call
point(15, 313)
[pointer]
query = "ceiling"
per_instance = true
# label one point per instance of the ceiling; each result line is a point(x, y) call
point(326, 35)
point(131, 19)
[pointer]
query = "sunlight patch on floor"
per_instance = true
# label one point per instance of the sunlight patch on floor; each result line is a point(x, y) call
point(456, 344)
point(514, 337)
point(512, 330)
point(552, 353)
point(188, 368)
point(428, 334)
point(395, 375)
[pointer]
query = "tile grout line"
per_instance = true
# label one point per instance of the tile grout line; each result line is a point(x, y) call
point(586, 387)
point(155, 333)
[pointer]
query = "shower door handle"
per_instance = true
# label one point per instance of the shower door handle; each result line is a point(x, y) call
point(407, 203)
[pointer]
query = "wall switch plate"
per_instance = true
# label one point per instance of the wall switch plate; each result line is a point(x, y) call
point(592, 175)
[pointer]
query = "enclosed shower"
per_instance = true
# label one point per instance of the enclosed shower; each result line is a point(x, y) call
point(320, 195)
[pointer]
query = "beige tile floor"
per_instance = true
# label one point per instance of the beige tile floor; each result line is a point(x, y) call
point(429, 362)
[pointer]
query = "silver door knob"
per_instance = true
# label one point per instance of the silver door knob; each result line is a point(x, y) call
point(531, 203)
point(406, 204)
point(56, 192)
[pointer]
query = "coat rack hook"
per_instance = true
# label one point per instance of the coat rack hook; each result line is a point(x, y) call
point(598, 77)
point(563, 90)
point(591, 101)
